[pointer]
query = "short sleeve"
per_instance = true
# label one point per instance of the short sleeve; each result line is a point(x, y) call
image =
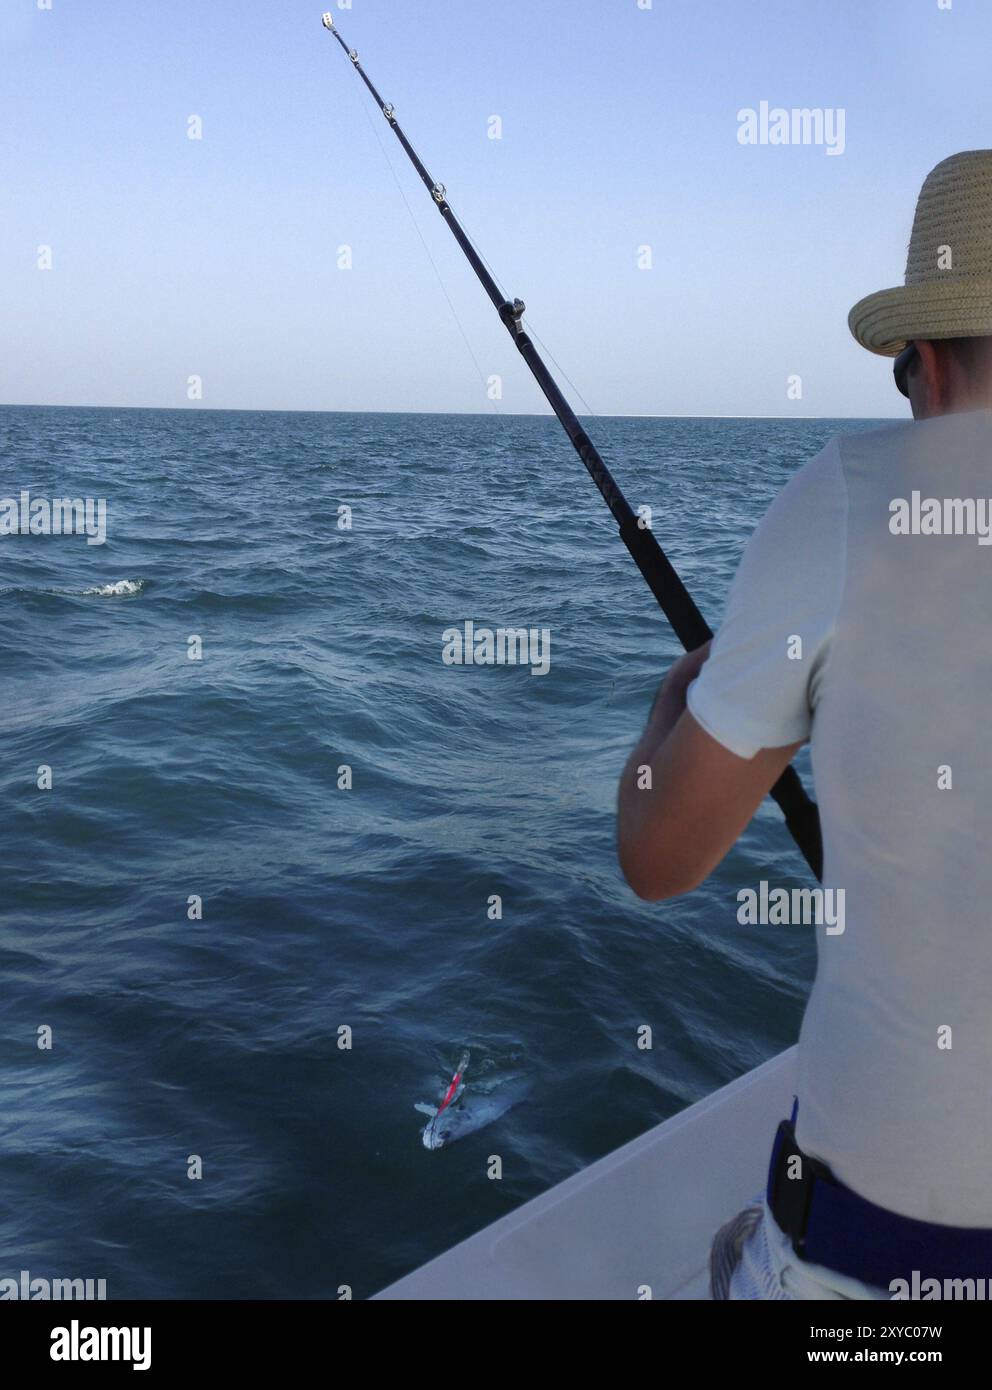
point(759, 687)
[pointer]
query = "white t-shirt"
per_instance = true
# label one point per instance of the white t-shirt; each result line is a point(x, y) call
point(894, 692)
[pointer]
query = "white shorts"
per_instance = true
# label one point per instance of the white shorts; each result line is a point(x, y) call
point(752, 1258)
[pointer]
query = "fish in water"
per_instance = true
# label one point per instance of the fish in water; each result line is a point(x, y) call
point(459, 1115)
point(462, 1118)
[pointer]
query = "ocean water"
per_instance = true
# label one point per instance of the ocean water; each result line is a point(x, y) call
point(326, 907)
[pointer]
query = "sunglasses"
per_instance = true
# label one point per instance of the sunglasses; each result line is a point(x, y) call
point(902, 365)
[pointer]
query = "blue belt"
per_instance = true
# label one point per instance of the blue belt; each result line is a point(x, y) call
point(830, 1225)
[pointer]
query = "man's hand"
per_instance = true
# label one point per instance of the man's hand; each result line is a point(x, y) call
point(684, 799)
point(670, 699)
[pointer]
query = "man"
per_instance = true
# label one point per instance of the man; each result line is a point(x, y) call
point(860, 620)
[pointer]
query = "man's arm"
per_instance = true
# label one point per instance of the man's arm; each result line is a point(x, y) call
point(676, 824)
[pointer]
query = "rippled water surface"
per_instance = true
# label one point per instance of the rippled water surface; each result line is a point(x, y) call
point(324, 907)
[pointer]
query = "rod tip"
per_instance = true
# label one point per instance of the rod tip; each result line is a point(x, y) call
point(327, 19)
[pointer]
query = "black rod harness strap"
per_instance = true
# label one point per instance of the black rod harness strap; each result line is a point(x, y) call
point(690, 627)
point(830, 1224)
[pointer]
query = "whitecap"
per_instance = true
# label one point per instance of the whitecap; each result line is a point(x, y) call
point(123, 588)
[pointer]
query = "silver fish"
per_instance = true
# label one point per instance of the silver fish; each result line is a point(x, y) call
point(466, 1114)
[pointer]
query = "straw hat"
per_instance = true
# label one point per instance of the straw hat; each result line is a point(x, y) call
point(953, 223)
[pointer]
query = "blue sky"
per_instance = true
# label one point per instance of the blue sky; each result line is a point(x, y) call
point(218, 258)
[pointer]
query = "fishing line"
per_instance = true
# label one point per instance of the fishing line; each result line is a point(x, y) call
point(530, 326)
point(496, 977)
point(423, 241)
point(491, 979)
point(440, 279)
point(488, 266)
point(561, 369)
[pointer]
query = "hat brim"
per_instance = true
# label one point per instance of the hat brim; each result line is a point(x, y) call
point(958, 307)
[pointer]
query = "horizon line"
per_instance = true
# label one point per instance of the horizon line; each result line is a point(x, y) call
point(468, 414)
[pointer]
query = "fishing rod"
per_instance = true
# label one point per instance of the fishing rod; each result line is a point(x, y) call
point(689, 625)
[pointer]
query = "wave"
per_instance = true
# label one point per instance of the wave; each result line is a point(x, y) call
point(120, 588)
point(123, 588)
